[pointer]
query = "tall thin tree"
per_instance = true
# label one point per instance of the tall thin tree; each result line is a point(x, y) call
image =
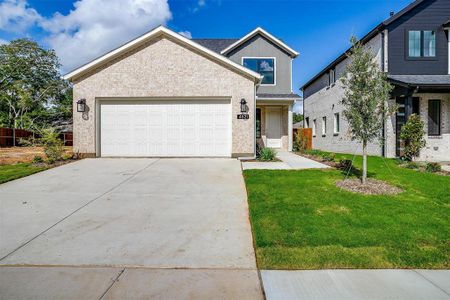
point(365, 99)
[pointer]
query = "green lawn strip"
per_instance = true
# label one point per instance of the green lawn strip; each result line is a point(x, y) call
point(15, 171)
point(301, 220)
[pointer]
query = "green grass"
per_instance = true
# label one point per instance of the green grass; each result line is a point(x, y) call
point(301, 220)
point(11, 172)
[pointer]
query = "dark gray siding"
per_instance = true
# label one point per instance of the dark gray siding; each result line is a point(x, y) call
point(259, 46)
point(429, 15)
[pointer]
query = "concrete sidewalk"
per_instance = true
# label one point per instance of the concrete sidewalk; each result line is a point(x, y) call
point(357, 284)
point(288, 161)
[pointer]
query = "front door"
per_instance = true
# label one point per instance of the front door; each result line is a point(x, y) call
point(273, 127)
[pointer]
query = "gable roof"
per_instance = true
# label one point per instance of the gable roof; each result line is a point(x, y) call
point(216, 45)
point(265, 34)
point(157, 32)
point(365, 39)
point(447, 24)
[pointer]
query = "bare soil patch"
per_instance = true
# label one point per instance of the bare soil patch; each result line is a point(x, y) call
point(372, 187)
point(13, 155)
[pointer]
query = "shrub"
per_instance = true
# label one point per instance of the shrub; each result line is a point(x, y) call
point(28, 142)
point(413, 135)
point(328, 156)
point(267, 154)
point(37, 159)
point(53, 146)
point(345, 164)
point(412, 165)
point(433, 167)
point(300, 141)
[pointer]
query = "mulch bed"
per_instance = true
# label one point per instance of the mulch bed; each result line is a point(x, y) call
point(372, 187)
point(14, 155)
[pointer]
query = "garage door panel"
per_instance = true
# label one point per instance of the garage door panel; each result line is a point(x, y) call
point(170, 128)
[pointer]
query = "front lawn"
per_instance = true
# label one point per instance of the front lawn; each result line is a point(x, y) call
point(301, 220)
point(15, 171)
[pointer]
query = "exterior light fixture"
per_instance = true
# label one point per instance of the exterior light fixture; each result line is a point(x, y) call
point(243, 105)
point(81, 105)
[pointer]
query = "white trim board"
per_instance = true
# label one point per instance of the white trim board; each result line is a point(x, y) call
point(161, 30)
point(267, 35)
point(274, 68)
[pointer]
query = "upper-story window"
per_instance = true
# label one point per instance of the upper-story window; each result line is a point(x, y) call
point(421, 43)
point(262, 65)
point(332, 77)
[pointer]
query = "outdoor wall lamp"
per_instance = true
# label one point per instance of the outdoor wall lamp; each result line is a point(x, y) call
point(243, 105)
point(81, 105)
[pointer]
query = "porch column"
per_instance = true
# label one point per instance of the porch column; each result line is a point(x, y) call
point(290, 127)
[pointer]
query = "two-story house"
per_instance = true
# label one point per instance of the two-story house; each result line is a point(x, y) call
point(413, 47)
point(163, 94)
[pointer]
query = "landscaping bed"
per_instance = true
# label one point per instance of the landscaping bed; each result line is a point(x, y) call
point(17, 162)
point(302, 220)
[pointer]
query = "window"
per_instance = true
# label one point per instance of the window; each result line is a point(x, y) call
point(434, 117)
point(258, 123)
point(307, 122)
point(421, 43)
point(324, 126)
point(314, 127)
point(336, 123)
point(263, 66)
point(331, 77)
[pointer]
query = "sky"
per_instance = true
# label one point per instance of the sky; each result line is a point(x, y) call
point(84, 29)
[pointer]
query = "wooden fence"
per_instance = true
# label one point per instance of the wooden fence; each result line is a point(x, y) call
point(305, 136)
point(7, 136)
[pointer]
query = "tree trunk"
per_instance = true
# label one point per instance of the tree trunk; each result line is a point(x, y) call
point(14, 133)
point(364, 174)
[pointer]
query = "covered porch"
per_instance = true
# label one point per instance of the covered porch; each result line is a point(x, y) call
point(429, 97)
point(274, 120)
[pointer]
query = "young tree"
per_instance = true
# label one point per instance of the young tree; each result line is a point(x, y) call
point(413, 134)
point(365, 100)
point(29, 82)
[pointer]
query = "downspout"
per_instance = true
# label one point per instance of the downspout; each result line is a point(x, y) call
point(383, 117)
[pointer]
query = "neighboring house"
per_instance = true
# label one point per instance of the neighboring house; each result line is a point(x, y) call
point(413, 47)
point(165, 95)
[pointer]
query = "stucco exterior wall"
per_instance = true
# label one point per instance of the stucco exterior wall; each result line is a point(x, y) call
point(325, 103)
point(163, 68)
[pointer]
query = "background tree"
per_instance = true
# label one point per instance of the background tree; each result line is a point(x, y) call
point(297, 118)
point(412, 133)
point(366, 93)
point(30, 84)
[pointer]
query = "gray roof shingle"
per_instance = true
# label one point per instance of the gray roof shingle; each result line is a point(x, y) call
point(437, 80)
point(216, 45)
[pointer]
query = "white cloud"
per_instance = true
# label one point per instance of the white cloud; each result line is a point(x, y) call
point(17, 16)
point(186, 34)
point(2, 41)
point(201, 3)
point(94, 27)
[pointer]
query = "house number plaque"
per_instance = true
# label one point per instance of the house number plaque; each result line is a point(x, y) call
point(243, 116)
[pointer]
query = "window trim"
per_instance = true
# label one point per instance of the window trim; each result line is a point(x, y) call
point(324, 126)
point(337, 121)
point(439, 114)
point(422, 46)
point(314, 128)
point(332, 83)
point(274, 67)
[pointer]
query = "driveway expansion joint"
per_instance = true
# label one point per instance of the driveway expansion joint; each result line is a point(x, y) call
point(430, 281)
point(112, 283)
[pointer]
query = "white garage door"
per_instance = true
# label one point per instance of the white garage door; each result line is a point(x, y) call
point(165, 128)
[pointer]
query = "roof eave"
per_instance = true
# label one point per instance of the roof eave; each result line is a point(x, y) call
point(261, 31)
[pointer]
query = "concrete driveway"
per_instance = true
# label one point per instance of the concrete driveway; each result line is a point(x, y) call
point(120, 228)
